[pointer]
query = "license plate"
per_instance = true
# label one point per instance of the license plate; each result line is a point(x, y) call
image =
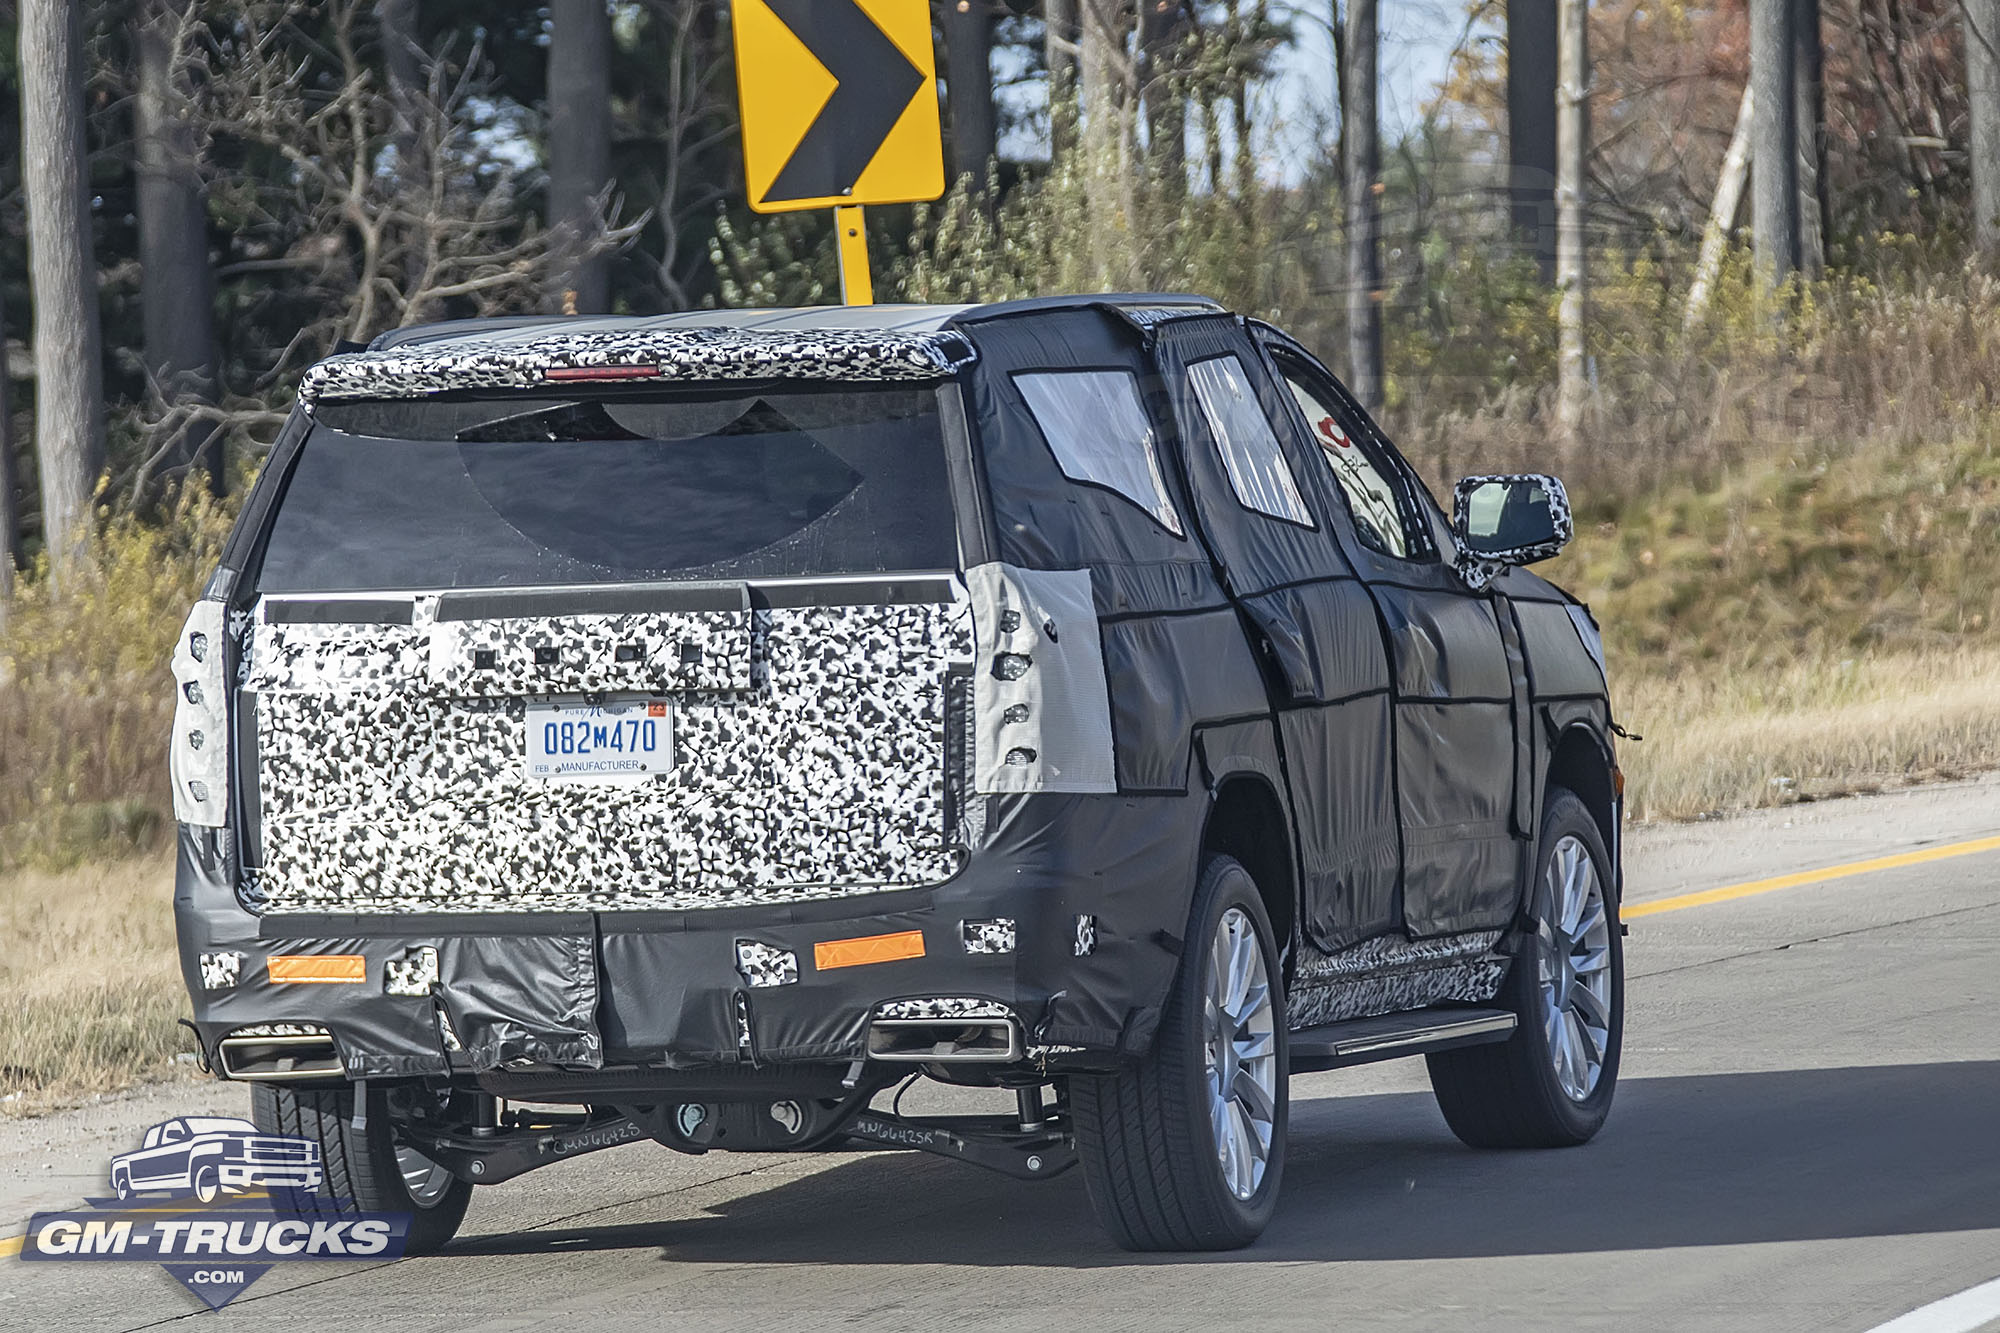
point(621, 740)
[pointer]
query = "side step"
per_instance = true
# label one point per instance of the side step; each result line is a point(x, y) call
point(1360, 1041)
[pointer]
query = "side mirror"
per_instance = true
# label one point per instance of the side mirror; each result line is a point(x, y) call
point(1511, 520)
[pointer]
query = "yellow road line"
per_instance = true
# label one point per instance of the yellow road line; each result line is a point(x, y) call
point(1731, 892)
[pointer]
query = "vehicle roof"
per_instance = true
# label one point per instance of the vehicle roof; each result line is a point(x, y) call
point(855, 343)
point(521, 332)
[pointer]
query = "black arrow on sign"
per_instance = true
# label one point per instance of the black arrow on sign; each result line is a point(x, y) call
point(874, 84)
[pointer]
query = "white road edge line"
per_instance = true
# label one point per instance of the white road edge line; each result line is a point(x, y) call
point(1972, 1308)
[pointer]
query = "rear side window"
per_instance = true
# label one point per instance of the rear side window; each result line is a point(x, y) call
point(1258, 473)
point(532, 490)
point(1100, 434)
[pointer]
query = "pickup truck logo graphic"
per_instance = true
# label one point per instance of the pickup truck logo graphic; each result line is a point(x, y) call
point(223, 1238)
point(209, 1156)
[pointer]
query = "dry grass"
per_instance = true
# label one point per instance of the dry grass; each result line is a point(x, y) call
point(1720, 739)
point(90, 981)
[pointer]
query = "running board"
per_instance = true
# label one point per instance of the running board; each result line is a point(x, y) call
point(1360, 1041)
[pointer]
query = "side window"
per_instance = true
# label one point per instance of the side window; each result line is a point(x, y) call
point(1100, 434)
point(1378, 517)
point(1258, 473)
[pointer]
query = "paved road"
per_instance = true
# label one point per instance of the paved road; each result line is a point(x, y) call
point(1807, 1137)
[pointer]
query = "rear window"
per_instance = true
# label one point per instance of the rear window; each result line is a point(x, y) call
point(514, 491)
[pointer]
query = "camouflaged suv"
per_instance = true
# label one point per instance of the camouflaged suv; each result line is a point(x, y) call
point(683, 729)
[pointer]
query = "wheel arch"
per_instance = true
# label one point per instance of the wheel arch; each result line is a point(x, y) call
point(1581, 762)
point(1247, 820)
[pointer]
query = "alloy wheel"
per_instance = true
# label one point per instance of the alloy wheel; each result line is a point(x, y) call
point(1575, 968)
point(1240, 1039)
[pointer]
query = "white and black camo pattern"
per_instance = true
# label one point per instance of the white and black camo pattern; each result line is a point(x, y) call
point(222, 970)
point(762, 965)
point(944, 1006)
point(995, 936)
point(1086, 935)
point(1479, 568)
point(280, 1030)
point(383, 790)
point(415, 973)
point(680, 355)
point(1392, 974)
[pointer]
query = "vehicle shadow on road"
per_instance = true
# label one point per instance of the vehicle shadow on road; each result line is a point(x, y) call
point(1698, 1160)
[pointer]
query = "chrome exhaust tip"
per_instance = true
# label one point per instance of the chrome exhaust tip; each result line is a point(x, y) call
point(945, 1040)
point(278, 1059)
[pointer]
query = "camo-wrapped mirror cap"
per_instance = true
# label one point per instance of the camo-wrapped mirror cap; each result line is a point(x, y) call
point(1508, 519)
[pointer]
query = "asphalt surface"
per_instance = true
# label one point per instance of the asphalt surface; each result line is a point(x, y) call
point(1807, 1136)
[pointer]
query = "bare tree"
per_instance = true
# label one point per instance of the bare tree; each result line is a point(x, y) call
point(177, 289)
point(1982, 69)
point(373, 253)
point(1531, 126)
point(579, 153)
point(13, 551)
point(1362, 165)
point(968, 54)
point(1163, 30)
point(1723, 211)
point(1572, 255)
point(1809, 72)
point(1059, 53)
point(69, 420)
point(1775, 175)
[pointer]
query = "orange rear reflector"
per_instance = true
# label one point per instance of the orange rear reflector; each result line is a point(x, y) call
point(830, 954)
point(317, 967)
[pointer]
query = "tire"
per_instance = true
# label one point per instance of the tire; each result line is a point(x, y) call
point(1154, 1159)
point(362, 1171)
point(1525, 1092)
point(121, 1183)
point(207, 1184)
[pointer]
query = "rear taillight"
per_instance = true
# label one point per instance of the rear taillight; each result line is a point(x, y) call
point(199, 753)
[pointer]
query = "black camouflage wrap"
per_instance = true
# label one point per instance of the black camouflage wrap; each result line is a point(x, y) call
point(1394, 721)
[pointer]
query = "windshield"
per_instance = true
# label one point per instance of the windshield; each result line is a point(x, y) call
point(515, 491)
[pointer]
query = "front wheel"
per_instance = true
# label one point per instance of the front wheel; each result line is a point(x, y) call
point(365, 1171)
point(1550, 1085)
point(1185, 1149)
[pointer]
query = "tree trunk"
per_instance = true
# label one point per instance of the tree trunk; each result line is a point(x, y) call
point(1163, 26)
point(1059, 54)
point(1531, 127)
point(1363, 165)
point(69, 374)
point(1100, 41)
point(579, 153)
point(403, 79)
point(1774, 141)
point(13, 554)
point(1809, 64)
point(1572, 241)
point(1722, 212)
point(1982, 67)
point(177, 286)
point(968, 53)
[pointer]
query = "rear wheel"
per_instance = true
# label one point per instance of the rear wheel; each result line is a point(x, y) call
point(1550, 1085)
point(366, 1171)
point(1185, 1150)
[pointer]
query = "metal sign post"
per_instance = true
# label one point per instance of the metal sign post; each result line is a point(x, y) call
point(856, 286)
point(840, 109)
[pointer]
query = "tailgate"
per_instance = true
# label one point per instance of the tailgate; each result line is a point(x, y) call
point(386, 745)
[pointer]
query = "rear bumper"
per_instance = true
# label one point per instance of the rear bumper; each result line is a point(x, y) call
point(584, 992)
